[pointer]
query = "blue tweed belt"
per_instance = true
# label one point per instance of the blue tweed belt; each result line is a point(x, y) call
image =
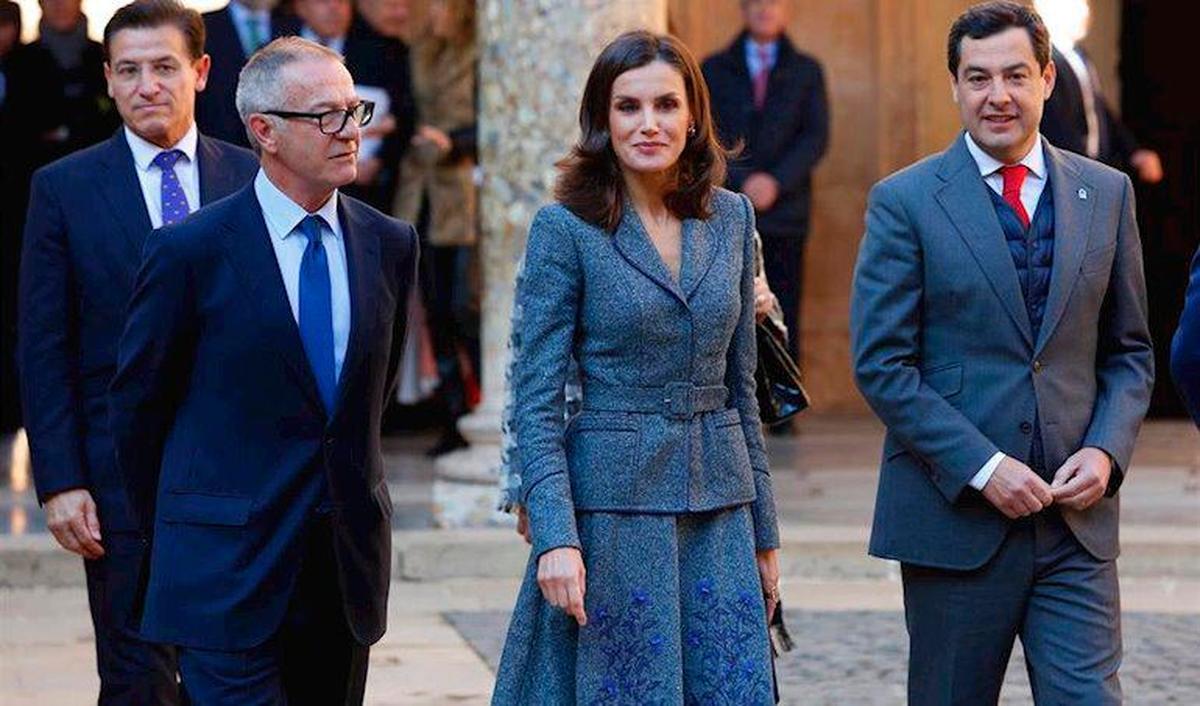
point(677, 400)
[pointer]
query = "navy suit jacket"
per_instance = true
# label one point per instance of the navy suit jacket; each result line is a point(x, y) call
point(1185, 349)
point(1064, 120)
point(786, 139)
point(223, 440)
point(216, 113)
point(83, 243)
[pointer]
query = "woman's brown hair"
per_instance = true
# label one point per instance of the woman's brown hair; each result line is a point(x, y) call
point(590, 183)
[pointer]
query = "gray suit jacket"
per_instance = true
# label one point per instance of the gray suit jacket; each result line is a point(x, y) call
point(670, 420)
point(944, 354)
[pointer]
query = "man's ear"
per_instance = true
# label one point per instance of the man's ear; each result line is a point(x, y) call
point(263, 129)
point(954, 88)
point(202, 66)
point(108, 80)
point(1049, 76)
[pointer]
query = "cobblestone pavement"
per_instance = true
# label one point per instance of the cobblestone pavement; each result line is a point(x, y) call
point(857, 658)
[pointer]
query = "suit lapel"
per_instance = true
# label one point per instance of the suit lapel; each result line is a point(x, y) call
point(1072, 229)
point(964, 198)
point(633, 242)
point(214, 181)
point(121, 189)
point(362, 264)
point(699, 252)
point(248, 244)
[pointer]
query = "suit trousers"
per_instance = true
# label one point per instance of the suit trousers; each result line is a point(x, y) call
point(1041, 586)
point(132, 671)
point(783, 263)
point(312, 660)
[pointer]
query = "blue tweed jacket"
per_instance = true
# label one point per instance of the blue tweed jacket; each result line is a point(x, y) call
point(669, 420)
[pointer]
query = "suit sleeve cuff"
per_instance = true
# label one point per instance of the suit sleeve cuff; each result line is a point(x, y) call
point(766, 524)
point(552, 514)
point(981, 478)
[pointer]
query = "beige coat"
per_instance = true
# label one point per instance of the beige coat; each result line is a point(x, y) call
point(444, 89)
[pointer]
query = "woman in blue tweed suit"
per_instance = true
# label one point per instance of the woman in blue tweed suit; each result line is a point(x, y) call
point(654, 567)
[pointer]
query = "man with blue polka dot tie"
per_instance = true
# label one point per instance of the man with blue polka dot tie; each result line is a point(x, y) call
point(91, 213)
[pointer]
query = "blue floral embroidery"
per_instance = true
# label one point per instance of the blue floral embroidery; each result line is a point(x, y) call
point(723, 671)
point(630, 641)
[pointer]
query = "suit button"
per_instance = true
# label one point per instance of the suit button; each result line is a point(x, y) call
point(1026, 427)
point(329, 443)
point(1037, 366)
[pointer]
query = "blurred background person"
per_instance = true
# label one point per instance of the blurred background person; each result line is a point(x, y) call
point(30, 115)
point(1185, 348)
point(770, 98)
point(1077, 116)
point(379, 65)
point(234, 33)
point(437, 191)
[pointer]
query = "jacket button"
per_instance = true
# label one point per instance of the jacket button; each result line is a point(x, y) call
point(329, 443)
point(1037, 366)
point(1026, 427)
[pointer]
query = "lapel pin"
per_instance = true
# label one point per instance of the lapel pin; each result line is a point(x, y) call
point(1082, 194)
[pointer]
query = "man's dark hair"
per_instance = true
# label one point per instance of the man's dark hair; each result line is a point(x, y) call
point(148, 14)
point(990, 18)
point(10, 14)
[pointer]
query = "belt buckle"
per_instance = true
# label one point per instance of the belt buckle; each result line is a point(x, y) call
point(678, 400)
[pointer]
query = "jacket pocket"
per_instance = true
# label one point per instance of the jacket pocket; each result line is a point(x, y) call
point(204, 509)
point(602, 458)
point(946, 380)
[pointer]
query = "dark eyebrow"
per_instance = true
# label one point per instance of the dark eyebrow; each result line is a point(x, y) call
point(1004, 70)
point(672, 94)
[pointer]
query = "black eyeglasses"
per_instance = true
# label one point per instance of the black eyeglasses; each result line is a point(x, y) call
point(331, 122)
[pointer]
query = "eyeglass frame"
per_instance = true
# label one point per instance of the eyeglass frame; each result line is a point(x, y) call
point(368, 108)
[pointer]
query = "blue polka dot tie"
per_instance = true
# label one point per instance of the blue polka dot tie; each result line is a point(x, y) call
point(174, 201)
point(316, 310)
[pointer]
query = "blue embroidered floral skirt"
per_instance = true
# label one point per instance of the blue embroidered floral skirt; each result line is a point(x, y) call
point(675, 618)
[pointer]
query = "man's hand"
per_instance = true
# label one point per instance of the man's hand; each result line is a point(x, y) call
point(762, 189)
point(561, 577)
point(523, 524)
point(438, 137)
point(1016, 490)
point(1082, 479)
point(764, 299)
point(1148, 165)
point(71, 517)
point(768, 573)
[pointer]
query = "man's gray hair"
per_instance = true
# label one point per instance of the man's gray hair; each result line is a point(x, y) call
point(260, 87)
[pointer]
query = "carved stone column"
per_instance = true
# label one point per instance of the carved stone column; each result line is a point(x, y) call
point(534, 59)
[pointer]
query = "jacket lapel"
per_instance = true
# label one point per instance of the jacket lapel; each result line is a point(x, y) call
point(362, 264)
point(699, 252)
point(121, 189)
point(633, 242)
point(214, 181)
point(248, 245)
point(1072, 229)
point(964, 198)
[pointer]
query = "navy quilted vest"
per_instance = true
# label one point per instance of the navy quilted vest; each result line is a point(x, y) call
point(1032, 252)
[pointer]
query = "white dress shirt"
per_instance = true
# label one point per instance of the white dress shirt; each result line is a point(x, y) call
point(1031, 193)
point(283, 217)
point(150, 176)
point(338, 44)
point(243, 17)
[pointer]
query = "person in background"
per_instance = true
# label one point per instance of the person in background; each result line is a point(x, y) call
point(1185, 347)
point(234, 33)
point(1077, 116)
point(770, 99)
point(90, 215)
point(437, 190)
point(31, 114)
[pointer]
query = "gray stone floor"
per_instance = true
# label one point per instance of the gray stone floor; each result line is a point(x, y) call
point(858, 658)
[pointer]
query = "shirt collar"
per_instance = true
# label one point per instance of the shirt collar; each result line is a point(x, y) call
point(1034, 160)
point(242, 14)
point(282, 214)
point(145, 151)
point(753, 47)
point(335, 43)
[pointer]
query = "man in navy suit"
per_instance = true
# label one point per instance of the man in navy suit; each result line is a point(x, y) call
point(234, 33)
point(262, 342)
point(771, 99)
point(89, 215)
point(1185, 348)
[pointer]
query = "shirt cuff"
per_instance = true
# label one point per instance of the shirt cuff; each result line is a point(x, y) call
point(985, 474)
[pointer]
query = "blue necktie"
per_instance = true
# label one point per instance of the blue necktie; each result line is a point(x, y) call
point(174, 201)
point(316, 310)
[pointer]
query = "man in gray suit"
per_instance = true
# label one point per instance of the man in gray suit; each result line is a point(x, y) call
point(999, 331)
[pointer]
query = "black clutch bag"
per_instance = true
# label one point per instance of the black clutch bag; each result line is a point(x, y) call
point(781, 394)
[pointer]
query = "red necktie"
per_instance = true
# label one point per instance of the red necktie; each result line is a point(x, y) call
point(760, 78)
point(1014, 177)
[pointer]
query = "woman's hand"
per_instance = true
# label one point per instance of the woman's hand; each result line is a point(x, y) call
point(523, 524)
point(768, 572)
point(764, 299)
point(561, 578)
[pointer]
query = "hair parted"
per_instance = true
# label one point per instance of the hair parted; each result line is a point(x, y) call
point(260, 88)
point(590, 182)
point(990, 18)
point(148, 14)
